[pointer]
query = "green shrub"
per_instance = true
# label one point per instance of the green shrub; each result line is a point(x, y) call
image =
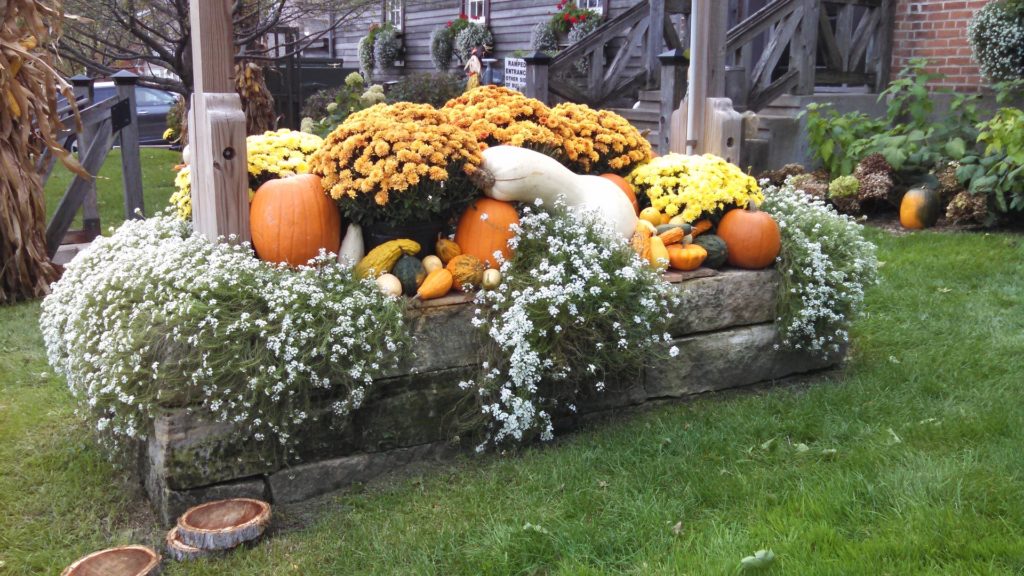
point(998, 171)
point(907, 137)
point(427, 88)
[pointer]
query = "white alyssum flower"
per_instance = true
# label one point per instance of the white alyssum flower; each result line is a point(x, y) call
point(825, 264)
point(156, 312)
point(572, 284)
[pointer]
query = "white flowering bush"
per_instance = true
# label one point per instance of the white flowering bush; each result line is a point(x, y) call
point(996, 36)
point(156, 315)
point(824, 265)
point(576, 310)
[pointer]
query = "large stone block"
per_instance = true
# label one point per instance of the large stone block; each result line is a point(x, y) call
point(730, 298)
point(727, 359)
point(174, 503)
point(186, 450)
point(305, 481)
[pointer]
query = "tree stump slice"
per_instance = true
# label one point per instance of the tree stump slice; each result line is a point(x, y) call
point(223, 524)
point(181, 552)
point(121, 561)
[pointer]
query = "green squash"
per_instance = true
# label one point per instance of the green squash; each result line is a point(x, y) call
point(410, 272)
point(717, 251)
point(666, 227)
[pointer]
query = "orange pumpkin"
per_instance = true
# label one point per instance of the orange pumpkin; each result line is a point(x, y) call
point(292, 219)
point(484, 229)
point(751, 236)
point(626, 188)
point(686, 257)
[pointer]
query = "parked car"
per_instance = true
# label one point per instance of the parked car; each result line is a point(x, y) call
point(152, 105)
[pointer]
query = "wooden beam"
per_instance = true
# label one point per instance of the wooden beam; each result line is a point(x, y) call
point(883, 43)
point(92, 160)
point(655, 40)
point(131, 163)
point(220, 179)
point(758, 22)
point(804, 48)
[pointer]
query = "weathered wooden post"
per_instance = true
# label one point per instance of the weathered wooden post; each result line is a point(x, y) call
point(673, 87)
point(804, 47)
point(82, 86)
point(655, 38)
point(537, 76)
point(220, 179)
point(131, 164)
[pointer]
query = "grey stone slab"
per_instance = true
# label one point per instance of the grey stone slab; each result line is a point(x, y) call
point(305, 481)
point(727, 359)
point(730, 298)
point(443, 338)
point(175, 502)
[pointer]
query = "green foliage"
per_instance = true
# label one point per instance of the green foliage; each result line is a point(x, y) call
point(434, 89)
point(442, 44)
point(907, 137)
point(352, 97)
point(570, 15)
point(544, 38)
point(843, 187)
point(471, 36)
point(387, 47)
point(999, 170)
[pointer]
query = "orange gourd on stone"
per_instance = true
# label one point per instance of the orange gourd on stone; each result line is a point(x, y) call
point(292, 219)
point(686, 257)
point(484, 229)
point(435, 285)
point(751, 236)
point(467, 270)
point(627, 189)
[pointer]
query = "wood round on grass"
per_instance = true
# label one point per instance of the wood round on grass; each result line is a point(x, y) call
point(223, 524)
point(121, 561)
point(181, 552)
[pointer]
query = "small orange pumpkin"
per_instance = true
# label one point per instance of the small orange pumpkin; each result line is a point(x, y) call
point(686, 257)
point(292, 219)
point(919, 208)
point(626, 188)
point(484, 229)
point(751, 236)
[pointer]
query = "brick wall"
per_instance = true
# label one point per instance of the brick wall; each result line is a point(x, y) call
point(937, 30)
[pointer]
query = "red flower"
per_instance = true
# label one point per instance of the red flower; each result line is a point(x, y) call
point(572, 19)
point(449, 24)
point(583, 16)
point(463, 16)
point(565, 17)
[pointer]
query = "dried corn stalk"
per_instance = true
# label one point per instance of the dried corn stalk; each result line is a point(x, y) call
point(257, 103)
point(28, 123)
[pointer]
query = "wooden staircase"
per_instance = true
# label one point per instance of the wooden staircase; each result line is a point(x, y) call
point(645, 114)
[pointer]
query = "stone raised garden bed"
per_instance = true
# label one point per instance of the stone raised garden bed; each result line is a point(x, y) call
point(724, 330)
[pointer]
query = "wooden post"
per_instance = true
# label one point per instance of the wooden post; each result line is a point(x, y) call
point(673, 87)
point(699, 77)
point(131, 164)
point(91, 225)
point(220, 179)
point(655, 38)
point(537, 76)
point(883, 44)
point(805, 46)
point(717, 25)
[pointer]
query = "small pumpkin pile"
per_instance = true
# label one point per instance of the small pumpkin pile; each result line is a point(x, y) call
point(745, 238)
point(468, 262)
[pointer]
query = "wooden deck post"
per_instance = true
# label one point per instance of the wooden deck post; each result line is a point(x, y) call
point(883, 44)
point(805, 46)
point(91, 225)
point(655, 38)
point(673, 87)
point(220, 179)
point(131, 163)
point(537, 76)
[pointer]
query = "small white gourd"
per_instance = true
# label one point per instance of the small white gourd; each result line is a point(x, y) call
point(352, 249)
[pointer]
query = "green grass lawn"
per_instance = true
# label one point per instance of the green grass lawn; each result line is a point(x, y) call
point(157, 186)
point(906, 462)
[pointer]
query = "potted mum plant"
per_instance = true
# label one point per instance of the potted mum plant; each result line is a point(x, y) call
point(399, 171)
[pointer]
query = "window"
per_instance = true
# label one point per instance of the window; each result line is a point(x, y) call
point(477, 10)
point(595, 5)
point(394, 13)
